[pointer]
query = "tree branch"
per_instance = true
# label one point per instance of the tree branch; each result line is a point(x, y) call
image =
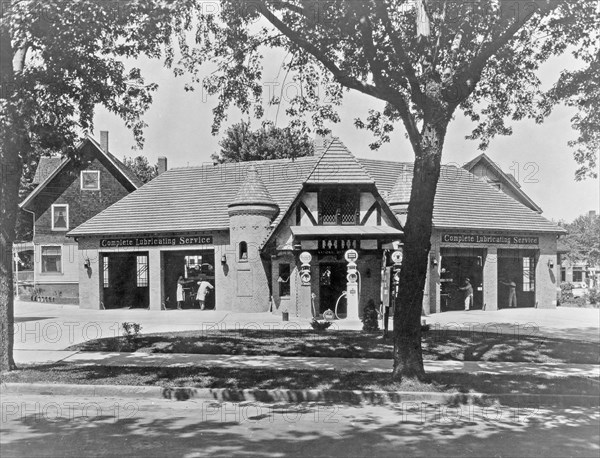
point(417, 95)
point(473, 72)
point(394, 98)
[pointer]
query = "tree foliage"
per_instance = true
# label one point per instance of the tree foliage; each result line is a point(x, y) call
point(241, 143)
point(58, 61)
point(583, 239)
point(141, 167)
point(425, 60)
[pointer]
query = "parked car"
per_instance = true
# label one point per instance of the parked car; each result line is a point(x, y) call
point(579, 289)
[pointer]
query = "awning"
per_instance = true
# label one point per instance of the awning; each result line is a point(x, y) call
point(362, 232)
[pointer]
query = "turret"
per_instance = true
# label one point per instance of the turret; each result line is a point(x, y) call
point(250, 216)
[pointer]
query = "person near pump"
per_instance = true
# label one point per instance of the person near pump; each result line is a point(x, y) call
point(180, 298)
point(512, 292)
point(468, 291)
point(203, 288)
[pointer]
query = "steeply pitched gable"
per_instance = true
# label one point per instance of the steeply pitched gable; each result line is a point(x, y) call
point(337, 165)
point(484, 167)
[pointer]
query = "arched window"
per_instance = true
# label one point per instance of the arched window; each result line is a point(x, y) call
point(243, 255)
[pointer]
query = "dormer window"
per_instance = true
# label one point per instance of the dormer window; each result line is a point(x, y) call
point(338, 206)
point(90, 180)
point(60, 217)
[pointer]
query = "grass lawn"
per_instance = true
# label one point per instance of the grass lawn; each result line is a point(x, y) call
point(211, 377)
point(437, 345)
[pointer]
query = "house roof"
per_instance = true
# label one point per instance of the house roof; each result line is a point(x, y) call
point(507, 179)
point(189, 199)
point(464, 201)
point(337, 165)
point(46, 165)
point(196, 198)
point(125, 171)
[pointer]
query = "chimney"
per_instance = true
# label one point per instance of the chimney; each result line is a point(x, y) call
point(321, 142)
point(104, 140)
point(162, 164)
point(592, 214)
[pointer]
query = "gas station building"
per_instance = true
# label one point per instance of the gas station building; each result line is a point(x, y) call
point(309, 235)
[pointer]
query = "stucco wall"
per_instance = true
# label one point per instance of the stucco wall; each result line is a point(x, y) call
point(547, 278)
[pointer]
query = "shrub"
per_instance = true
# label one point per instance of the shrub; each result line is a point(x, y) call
point(131, 331)
point(593, 296)
point(320, 325)
point(370, 317)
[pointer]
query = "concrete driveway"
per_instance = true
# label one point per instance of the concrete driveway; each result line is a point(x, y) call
point(44, 326)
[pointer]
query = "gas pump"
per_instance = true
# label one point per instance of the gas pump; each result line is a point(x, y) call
point(352, 285)
point(305, 259)
point(397, 259)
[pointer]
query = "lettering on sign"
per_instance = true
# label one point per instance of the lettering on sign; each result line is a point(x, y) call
point(157, 241)
point(490, 239)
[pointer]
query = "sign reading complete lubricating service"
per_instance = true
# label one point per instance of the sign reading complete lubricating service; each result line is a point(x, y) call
point(157, 241)
point(490, 239)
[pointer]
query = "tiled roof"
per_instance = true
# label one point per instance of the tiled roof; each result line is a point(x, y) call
point(46, 166)
point(508, 179)
point(196, 198)
point(338, 165)
point(253, 191)
point(463, 201)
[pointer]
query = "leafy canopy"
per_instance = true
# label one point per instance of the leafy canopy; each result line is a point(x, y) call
point(423, 58)
point(141, 167)
point(583, 239)
point(241, 143)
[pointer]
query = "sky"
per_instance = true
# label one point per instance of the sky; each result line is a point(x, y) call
point(179, 127)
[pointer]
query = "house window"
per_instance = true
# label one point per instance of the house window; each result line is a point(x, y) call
point(577, 274)
point(284, 280)
point(90, 180)
point(243, 254)
point(563, 274)
point(528, 273)
point(142, 271)
point(105, 280)
point(51, 259)
point(60, 217)
point(338, 207)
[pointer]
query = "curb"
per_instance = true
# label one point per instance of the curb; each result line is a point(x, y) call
point(353, 397)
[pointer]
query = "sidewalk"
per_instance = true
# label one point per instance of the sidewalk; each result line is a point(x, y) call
point(296, 363)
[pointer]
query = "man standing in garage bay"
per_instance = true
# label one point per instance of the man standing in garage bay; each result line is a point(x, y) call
point(512, 292)
point(468, 289)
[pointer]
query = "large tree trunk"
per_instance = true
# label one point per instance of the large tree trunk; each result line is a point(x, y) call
point(408, 359)
point(10, 174)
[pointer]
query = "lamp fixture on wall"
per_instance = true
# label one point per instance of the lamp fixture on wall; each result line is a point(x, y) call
point(433, 260)
point(223, 260)
point(87, 264)
point(550, 264)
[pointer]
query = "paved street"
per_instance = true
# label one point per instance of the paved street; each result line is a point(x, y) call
point(77, 426)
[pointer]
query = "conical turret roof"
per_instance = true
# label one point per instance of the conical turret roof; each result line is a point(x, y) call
point(400, 193)
point(253, 191)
